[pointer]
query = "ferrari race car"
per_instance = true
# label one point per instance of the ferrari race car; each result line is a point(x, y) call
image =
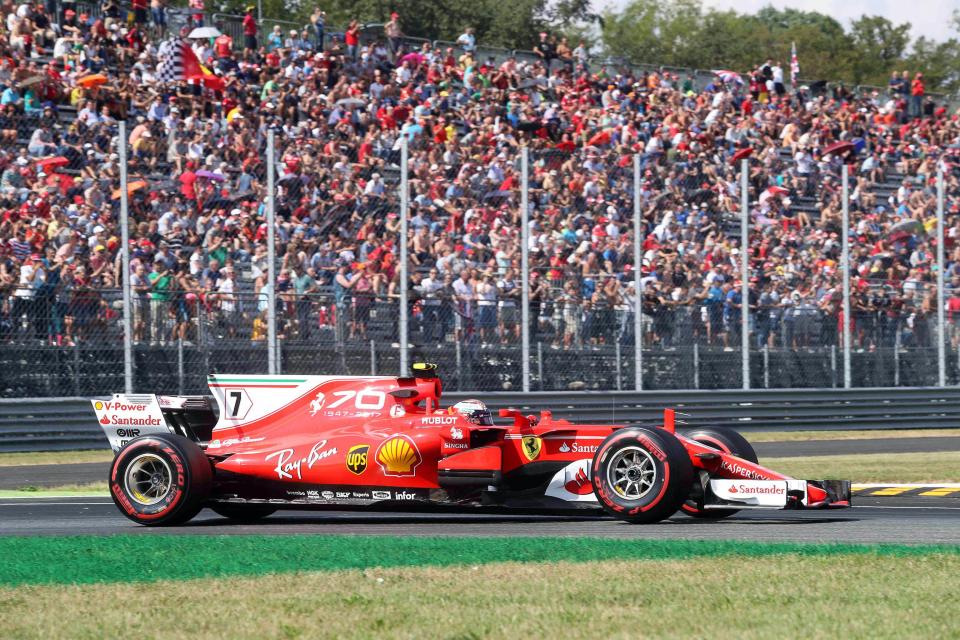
point(346, 442)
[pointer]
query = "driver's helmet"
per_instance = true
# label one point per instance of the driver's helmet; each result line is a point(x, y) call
point(474, 411)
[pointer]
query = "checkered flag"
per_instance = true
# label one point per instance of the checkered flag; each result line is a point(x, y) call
point(178, 62)
point(171, 65)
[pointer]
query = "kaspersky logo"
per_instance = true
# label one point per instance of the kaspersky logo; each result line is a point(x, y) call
point(357, 458)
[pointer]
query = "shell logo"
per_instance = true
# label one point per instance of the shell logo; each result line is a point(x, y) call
point(98, 405)
point(398, 456)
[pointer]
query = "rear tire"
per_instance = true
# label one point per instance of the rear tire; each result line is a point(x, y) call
point(160, 479)
point(641, 475)
point(242, 512)
point(728, 441)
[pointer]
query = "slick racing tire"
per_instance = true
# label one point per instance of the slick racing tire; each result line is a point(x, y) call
point(641, 475)
point(160, 479)
point(242, 512)
point(728, 441)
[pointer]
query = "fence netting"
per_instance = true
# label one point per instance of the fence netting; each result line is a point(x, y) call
point(200, 289)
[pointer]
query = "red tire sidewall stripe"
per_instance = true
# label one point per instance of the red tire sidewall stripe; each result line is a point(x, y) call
point(654, 449)
point(120, 494)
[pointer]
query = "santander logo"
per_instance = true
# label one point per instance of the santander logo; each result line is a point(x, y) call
point(758, 490)
point(580, 484)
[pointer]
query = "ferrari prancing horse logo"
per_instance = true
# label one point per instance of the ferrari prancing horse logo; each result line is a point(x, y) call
point(531, 446)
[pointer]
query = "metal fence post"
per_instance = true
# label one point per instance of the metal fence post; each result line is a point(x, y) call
point(896, 358)
point(696, 365)
point(125, 252)
point(745, 273)
point(459, 361)
point(373, 357)
point(637, 277)
point(766, 366)
point(180, 366)
point(540, 364)
point(271, 257)
point(833, 366)
point(941, 294)
point(616, 348)
point(404, 276)
point(845, 269)
point(525, 267)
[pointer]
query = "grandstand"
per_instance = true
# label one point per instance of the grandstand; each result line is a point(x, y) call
point(339, 104)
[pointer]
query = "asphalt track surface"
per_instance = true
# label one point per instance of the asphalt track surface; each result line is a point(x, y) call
point(905, 520)
point(84, 473)
point(902, 519)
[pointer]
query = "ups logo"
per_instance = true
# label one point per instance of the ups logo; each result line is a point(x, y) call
point(357, 458)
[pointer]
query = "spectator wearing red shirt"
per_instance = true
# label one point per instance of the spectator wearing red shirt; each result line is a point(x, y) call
point(139, 12)
point(917, 91)
point(249, 31)
point(352, 39)
point(197, 9)
point(953, 315)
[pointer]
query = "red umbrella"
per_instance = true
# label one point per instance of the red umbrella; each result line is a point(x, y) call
point(839, 148)
point(771, 192)
point(52, 163)
point(599, 139)
point(741, 154)
point(414, 57)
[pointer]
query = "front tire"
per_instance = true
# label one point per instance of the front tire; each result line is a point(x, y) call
point(728, 441)
point(641, 475)
point(242, 512)
point(160, 479)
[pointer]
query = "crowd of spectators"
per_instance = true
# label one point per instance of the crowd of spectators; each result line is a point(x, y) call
point(340, 106)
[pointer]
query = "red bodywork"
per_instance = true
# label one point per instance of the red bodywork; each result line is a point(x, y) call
point(388, 439)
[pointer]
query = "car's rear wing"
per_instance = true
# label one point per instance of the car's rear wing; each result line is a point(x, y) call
point(127, 416)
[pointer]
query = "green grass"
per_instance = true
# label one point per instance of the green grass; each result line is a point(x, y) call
point(141, 558)
point(932, 467)
point(794, 436)
point(55, 457)
point(88, 489)
point(787, 595)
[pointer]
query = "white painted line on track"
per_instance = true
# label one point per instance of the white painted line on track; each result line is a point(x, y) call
point(57, 497)
point(44, 504)
point(914, 485)
point(873, 506)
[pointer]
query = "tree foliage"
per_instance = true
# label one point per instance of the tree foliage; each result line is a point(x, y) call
point(673, 33)
point(685, 33)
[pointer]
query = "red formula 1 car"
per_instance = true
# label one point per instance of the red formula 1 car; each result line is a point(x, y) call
point(336, 442)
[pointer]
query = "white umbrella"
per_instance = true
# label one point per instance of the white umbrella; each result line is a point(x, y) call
point(728, 77)
point(204, 32)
